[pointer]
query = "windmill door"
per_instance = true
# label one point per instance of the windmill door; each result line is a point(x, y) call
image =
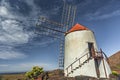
point(91, 49)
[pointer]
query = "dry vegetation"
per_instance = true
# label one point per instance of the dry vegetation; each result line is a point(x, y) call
point(53, 75)
point(12, 77)
point(114, 61)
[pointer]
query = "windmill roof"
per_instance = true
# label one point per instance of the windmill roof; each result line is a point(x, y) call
point(77, 27)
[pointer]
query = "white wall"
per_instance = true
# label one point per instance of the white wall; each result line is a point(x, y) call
point(76, 45)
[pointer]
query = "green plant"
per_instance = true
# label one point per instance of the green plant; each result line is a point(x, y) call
point(115, 73)
point(34, 73)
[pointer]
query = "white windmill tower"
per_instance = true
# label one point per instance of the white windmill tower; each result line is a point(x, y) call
point(81, 57)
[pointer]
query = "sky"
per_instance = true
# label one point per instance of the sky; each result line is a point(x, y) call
point(21, 48)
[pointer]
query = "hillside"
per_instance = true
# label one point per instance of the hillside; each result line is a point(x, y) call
point(20, 76)
point(114, 61)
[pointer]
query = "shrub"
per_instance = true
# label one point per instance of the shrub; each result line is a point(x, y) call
point(115, 73)
point(34, 73)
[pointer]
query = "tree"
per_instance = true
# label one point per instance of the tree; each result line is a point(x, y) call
point(34, 73)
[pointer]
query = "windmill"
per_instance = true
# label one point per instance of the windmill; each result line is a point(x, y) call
point(80, 55)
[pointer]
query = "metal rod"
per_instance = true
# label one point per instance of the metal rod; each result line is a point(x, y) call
point(65, 15)
point(62, 19)
point(52, 29)
point(103, 64)
point(77, 60)
point(50, 36)
point(51, 22)
point(68, 18)
point(71, 16)
point(61, 55)
point(104, 68)
point(74, 14)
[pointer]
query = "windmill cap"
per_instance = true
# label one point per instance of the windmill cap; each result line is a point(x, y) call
point(77, 27)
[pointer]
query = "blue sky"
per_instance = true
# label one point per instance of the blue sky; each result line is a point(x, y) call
point(21, 48)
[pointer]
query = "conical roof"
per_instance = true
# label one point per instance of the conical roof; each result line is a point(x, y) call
point(77, 27)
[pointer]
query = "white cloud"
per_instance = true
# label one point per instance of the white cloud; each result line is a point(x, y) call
point(26, 66)
point(29, 65)
point(107, 10)
point(3, 11)
point(12, 33)
point(36, 11)
point(11, 30)
point(11, 55)
point(3, 65)
point(11, 26)
point(31, 3)
point(98, 16)
point(114, 13)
